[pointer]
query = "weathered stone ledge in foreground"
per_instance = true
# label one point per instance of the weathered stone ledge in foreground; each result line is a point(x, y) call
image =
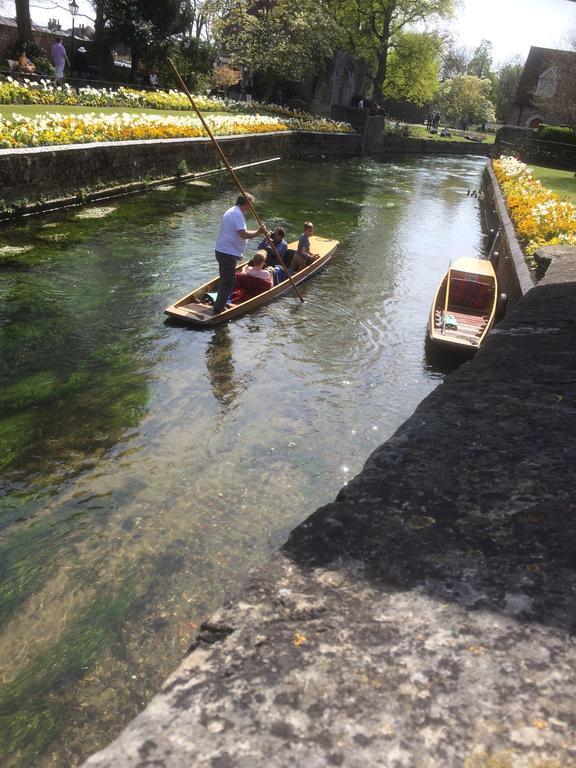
point(427, 617)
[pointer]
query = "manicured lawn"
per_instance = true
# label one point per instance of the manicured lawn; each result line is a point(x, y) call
point(561, 182)
point(420, 132)
point(31, 110)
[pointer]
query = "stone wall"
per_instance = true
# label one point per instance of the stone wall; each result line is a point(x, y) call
point(50, 172)
point(524, 144)
point(515, 278)
point(390, 142)
point(9, 37)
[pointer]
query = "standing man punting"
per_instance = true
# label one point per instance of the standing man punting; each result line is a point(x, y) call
point(230, 246)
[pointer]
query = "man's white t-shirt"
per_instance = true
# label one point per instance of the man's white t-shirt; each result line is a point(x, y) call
point(229, 241)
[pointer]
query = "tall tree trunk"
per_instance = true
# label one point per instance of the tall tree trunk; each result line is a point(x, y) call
point(23, 20)
point(136, 59)
point(383, 51)
point(98, 49)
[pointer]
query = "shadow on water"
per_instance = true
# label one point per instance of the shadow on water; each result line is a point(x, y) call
point(444, 361)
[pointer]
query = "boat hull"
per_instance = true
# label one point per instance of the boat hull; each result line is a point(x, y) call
point(472, 300)
point(191, 311)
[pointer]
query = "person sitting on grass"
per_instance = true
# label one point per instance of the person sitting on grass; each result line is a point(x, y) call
point(303, 257)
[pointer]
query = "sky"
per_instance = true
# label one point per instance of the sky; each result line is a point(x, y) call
point(512, 25)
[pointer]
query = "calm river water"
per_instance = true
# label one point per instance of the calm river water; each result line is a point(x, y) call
point(146, 467)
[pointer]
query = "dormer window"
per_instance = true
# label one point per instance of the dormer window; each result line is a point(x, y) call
point(547, 83)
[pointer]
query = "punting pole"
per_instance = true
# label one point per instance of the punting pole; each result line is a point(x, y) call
point(234, 176)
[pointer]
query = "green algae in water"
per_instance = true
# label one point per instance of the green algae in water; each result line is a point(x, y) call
point(24, 563)
point(16, 433)
point(32, 389)
point(29, 718)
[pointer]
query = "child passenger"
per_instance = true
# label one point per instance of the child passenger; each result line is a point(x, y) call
point(258, 268)
point(303, 257)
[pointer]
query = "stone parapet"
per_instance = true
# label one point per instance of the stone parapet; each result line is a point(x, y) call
point(28, 175)
point(391, 142)
point(426, 617)
point(515, 278)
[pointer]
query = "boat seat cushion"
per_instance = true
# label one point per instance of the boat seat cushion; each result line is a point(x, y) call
point(469, 293)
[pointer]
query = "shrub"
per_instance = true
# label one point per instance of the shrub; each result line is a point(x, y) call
point(557, 134)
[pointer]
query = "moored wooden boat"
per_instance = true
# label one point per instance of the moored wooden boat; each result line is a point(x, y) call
point(192, 310)
point(462, 319)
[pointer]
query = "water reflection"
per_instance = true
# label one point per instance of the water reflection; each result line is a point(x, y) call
point(147, 467)
point(220, 366)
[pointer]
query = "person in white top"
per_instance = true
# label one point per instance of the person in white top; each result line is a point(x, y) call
point(230, 246)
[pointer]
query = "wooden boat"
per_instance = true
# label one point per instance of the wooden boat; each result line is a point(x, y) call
point(462, 319)
point(193, 310)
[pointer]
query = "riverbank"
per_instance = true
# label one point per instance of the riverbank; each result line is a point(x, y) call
point(426, 615)
point(45, 178)
point(40, 179)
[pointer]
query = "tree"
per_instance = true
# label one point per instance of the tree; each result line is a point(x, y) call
point(455, 60)
point(465, 97)
point(504, 88)
point(224, 77)
point(413, 68)
point(283, 38)
point(373, 28)
point(148, 27)
point(23, 20)
point(480, 64)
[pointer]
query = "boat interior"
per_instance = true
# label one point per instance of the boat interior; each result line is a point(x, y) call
point(470, 302)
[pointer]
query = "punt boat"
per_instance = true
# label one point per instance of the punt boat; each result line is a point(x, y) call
point(192, 309)
point(464, 305)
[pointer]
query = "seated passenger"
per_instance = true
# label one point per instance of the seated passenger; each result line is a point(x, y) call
point(24, 63)
point(277, 237)
point(303, 257)
point(254, 279)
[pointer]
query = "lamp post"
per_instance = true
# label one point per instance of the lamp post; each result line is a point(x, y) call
point(74, 8)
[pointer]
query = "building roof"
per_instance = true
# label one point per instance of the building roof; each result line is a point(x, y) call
point(81, 32)
point(537, 62)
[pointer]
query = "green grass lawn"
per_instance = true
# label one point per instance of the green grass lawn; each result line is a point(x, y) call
point(420, 132)
point(31, 110)
point(561, 182)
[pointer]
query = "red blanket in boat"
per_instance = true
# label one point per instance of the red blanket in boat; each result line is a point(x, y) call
point(247, 286)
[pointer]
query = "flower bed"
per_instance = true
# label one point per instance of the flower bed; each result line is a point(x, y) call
point(540, 216)
point(43, 130)
point(43, 92)
point(80, 129)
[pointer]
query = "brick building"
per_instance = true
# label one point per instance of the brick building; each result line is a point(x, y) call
point(43, 37)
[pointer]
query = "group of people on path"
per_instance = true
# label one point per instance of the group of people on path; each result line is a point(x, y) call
point(264, 266)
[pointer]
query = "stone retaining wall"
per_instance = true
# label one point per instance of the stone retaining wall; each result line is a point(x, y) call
point(48, 172)
point(389, 142)
point(515, 278)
